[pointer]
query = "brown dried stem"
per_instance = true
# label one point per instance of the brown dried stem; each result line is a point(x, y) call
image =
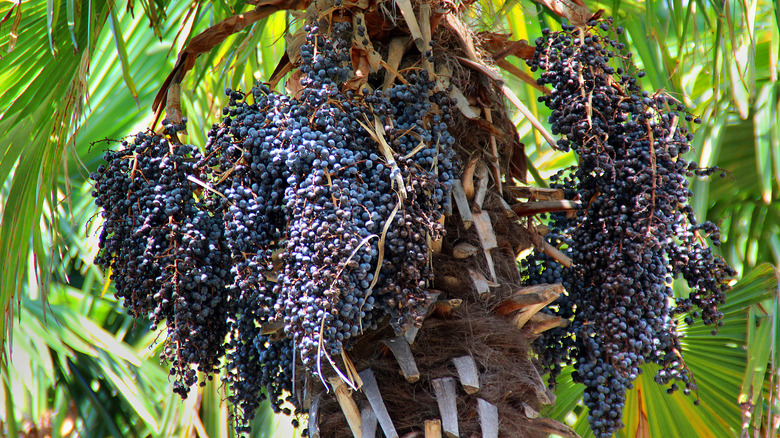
point(207, 40)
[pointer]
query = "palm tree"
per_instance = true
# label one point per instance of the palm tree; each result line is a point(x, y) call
point(46, 204)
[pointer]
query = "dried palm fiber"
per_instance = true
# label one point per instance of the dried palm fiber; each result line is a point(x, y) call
point(500, 351)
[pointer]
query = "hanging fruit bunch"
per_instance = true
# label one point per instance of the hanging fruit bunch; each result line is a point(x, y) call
point(635, 232)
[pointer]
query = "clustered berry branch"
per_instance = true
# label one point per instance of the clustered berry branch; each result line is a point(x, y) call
point(635, 231)
point(316, 221)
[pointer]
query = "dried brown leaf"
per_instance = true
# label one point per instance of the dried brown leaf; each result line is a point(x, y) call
point(394, 55)
point(293, 85)
point(282, 68)
point(467, 42)
point(519, 48)
point(361, 66)
point(214, 35)
point(523, 76)
point(414, 27)
point(518, 162)
point(481, 67)
point(576, 11)
point(294, 43)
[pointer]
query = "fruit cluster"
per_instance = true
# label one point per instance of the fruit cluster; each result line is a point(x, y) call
point(165, 250)
point(635, 232)
point(305, 223)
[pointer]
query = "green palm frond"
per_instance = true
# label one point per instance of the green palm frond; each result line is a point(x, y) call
point(44, 95)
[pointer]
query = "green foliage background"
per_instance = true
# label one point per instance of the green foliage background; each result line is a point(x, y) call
point(76, 73)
